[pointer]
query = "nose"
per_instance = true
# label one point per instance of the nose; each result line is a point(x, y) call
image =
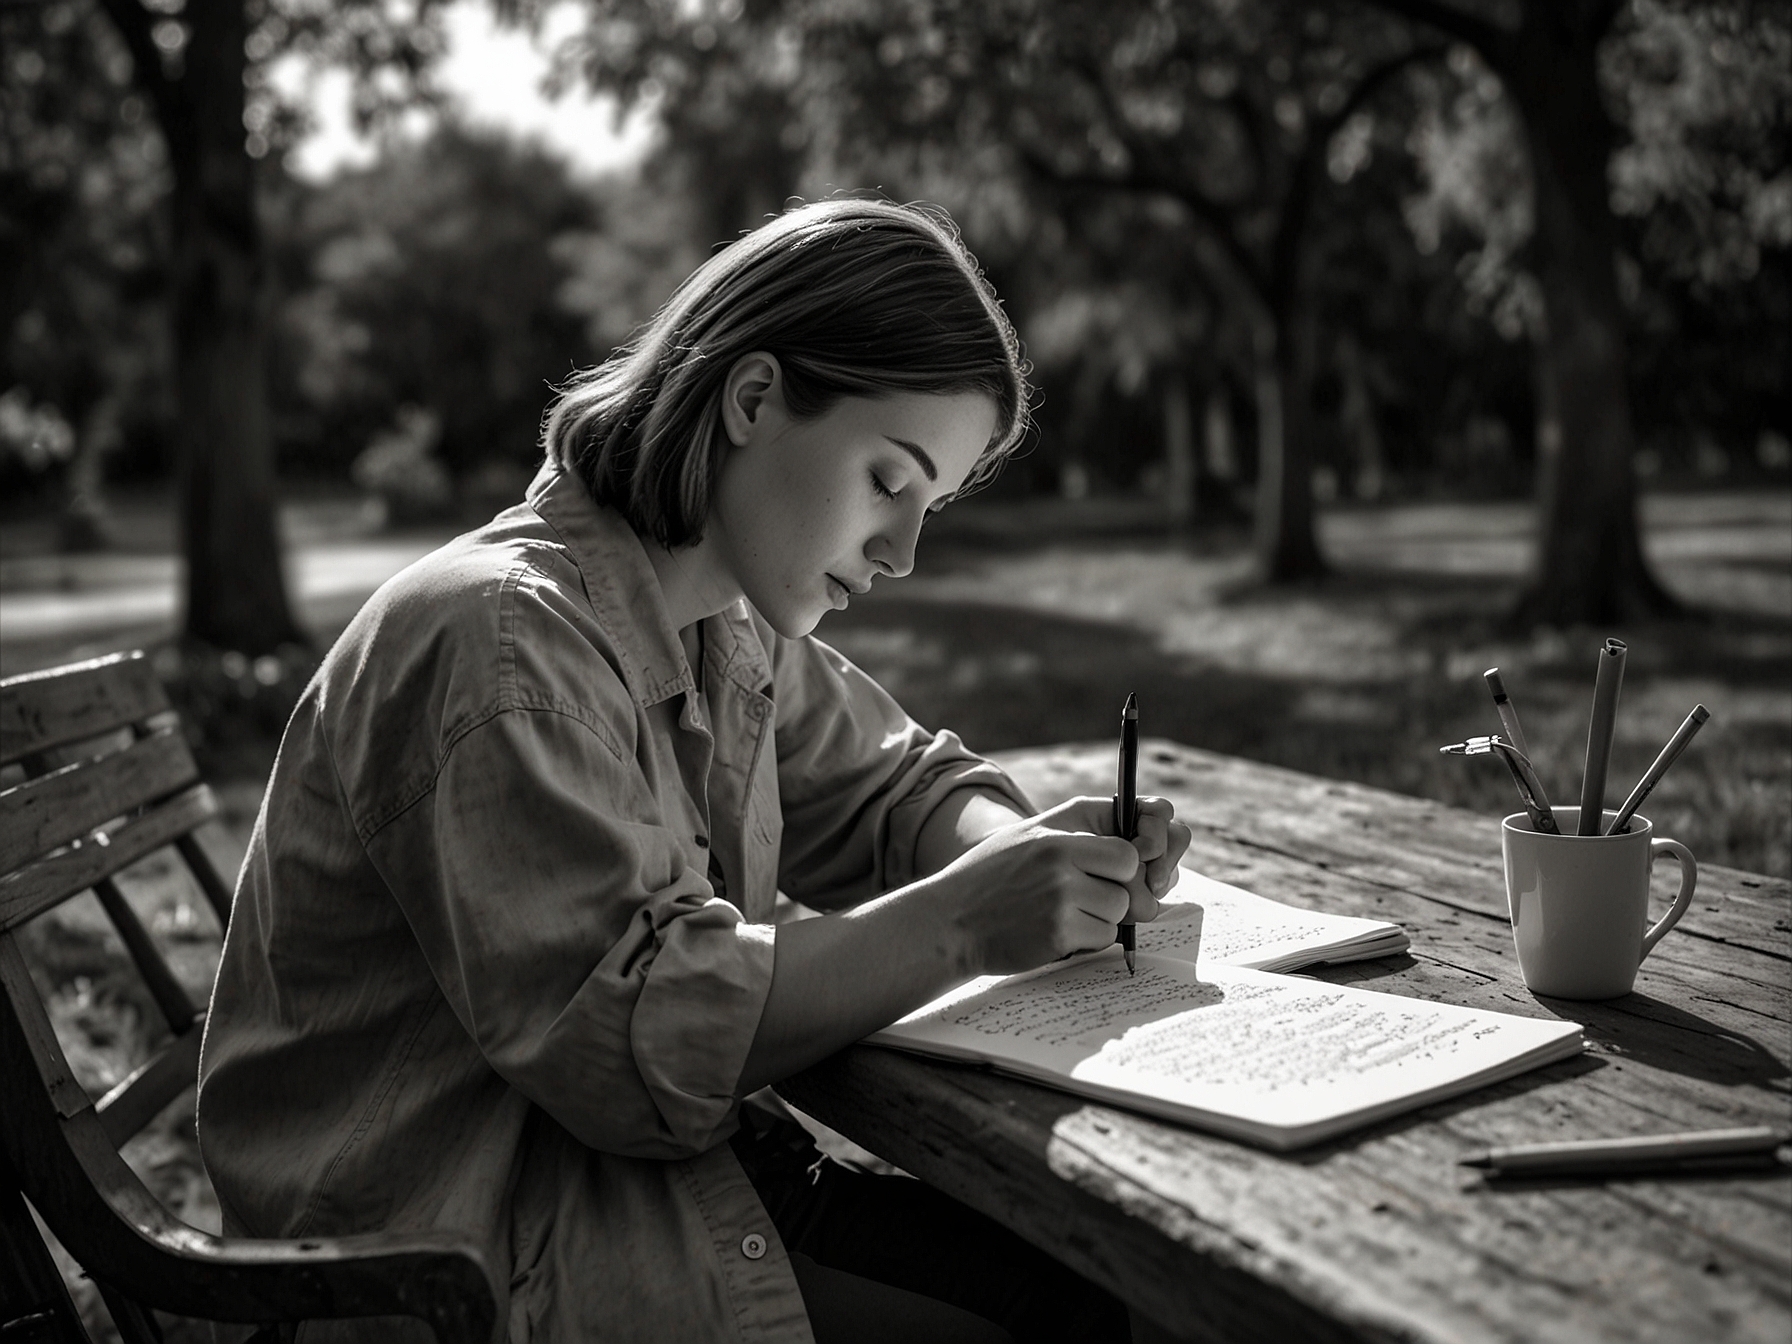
point(893, 550)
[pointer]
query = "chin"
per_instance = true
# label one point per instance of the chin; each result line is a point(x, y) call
point(792, 622)
point(800, 626)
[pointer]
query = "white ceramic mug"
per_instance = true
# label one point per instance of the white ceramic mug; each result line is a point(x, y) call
point(1580, 903)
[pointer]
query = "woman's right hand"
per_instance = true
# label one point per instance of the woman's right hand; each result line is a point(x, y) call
point(1041, 888)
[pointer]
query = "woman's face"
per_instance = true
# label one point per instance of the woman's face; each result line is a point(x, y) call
point(807, 512)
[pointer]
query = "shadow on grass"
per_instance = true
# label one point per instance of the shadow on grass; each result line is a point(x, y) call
point(1005, 676)
point(1361, 675)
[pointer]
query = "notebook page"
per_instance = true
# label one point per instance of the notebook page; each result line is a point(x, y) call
point(1260, 1053)
point(1285, 1052)
point(1240, 928)
point(1053, 1017)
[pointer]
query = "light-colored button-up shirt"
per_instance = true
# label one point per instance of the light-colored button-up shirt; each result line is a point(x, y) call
point(477, 976)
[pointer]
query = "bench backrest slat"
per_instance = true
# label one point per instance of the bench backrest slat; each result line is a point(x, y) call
point(32, 890)
point(37, 1041)
point(133, 1103)
point(41, 814)
point(43, 710)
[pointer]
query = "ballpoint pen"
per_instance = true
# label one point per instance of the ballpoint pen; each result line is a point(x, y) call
point(1126, 808)
point(1652, 776)
point(1530, 788)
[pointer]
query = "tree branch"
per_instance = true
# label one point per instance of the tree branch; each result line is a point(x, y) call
point(1605, 13)
point(1296, 205)
point(1247, 116)
point(134, 24)
point(1148, 175)
point(1496, 45)
point(1146, 182)
point(1373, 82)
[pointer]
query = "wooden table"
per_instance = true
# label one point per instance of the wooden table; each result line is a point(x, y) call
point(1380, 1236)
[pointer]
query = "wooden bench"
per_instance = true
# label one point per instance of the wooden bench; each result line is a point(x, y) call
point(96, 776)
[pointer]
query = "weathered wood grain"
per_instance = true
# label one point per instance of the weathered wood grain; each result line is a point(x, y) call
point(32, 890)
point(137, 1100)
point(43, 710)
point(1385, 838)
point(177, 1009)
point(1379, 1235)
point(50, 810)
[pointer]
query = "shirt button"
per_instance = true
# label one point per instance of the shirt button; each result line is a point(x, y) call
point(752, 1246)
point(703, 842)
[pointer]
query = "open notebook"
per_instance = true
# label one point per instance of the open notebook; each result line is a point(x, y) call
point(1274, 1060)
point(1239, 928)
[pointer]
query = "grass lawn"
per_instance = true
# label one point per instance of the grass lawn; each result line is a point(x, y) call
point(1021, 628)
point(1029, 624)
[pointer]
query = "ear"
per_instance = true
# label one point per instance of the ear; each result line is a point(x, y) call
point(755, 387)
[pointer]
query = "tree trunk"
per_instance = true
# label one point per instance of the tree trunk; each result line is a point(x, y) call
point(1181, 474)
point(1356, 416)
point(1287, 549)
point(1590, 567)
point(235, 591)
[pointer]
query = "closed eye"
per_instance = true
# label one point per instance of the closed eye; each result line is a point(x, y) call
point(877, 484)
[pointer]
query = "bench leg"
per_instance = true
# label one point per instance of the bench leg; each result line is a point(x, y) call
point(136, 1325)
point(37, 1307)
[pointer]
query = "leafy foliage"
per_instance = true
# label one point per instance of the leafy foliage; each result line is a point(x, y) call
point(82, 241)
point(435, 280)
point(1131, 173)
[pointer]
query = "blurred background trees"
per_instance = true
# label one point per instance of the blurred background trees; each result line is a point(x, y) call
point(1267, 255)
point(430, 283)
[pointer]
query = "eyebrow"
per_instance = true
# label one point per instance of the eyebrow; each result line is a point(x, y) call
point(919, 453)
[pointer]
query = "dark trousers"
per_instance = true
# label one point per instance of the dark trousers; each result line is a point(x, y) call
point(883, 1257)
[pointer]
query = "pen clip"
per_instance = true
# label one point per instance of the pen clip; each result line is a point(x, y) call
point(1524, 775)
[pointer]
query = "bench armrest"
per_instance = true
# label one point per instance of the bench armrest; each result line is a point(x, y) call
point(123, 1236)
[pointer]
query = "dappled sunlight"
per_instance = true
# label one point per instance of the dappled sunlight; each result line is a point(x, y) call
point(1361, 676)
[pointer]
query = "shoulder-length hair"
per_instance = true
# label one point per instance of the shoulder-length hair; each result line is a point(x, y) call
point(855, 298)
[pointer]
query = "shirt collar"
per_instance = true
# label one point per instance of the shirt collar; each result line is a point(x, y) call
point(625, 595)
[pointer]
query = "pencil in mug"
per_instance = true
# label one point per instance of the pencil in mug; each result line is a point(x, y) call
point(1507, 710)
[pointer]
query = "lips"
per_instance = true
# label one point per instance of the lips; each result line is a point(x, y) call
point(840, 592)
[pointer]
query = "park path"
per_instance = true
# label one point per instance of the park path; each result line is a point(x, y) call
point(56, 607)
point(80, 599)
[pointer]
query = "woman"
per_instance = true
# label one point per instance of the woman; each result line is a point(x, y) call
point(503, 956)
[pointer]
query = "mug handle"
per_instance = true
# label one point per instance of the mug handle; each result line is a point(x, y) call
point(1689, 878)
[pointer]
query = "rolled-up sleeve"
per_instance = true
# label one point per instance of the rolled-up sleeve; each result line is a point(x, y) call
point(595, 969)
point(858, 778)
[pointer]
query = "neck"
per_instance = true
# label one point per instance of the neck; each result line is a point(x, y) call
point(694, 584)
